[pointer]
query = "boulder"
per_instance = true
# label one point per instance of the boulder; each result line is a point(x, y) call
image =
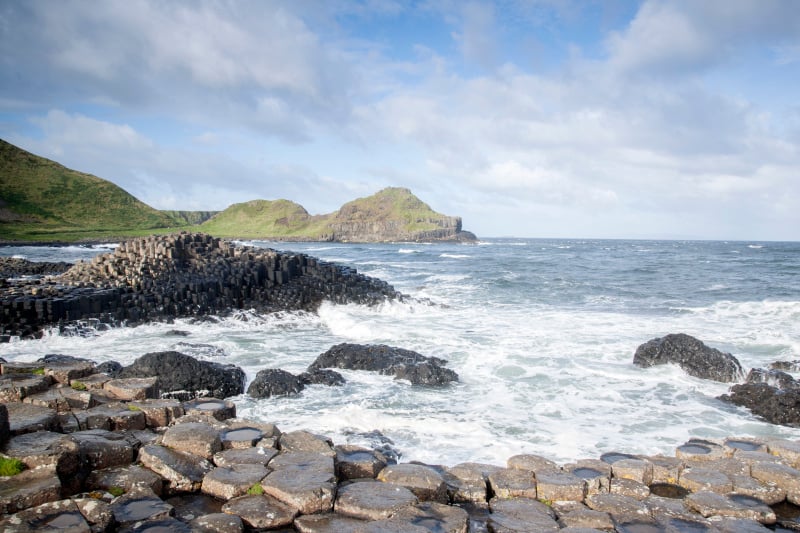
point(774, 405)
point(355, 462)
point(331, 378)
point(274, 382)
point(184, 377)
point(507, 483)
point(694, 357)
point(401, 363)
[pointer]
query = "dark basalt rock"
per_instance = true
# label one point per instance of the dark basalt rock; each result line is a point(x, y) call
point(403, 364)
point(775, 405)
point(274, 382)
point(694, 357)
point(330, 378)
point(112, 368)
point(774, 378)
point(184, 377)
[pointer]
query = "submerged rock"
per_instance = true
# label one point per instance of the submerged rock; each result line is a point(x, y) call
point(775, 405)
point(388, 360)
point(694, 357)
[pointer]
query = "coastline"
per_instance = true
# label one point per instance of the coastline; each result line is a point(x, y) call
point(89, 440)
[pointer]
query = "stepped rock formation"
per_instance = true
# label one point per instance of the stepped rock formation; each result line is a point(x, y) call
point(187, 274)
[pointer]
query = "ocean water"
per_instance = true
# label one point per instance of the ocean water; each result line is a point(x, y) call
point(541, 332)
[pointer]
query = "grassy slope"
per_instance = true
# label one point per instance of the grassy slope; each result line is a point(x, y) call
point(282, 219)
point(264, 219)
point(41, 200)
point(390, 204)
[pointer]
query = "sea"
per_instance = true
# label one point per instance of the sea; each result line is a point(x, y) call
point(541, 332)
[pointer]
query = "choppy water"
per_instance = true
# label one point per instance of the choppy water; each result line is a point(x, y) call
point(541, 332)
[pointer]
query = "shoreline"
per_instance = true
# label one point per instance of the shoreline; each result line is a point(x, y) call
point(91, 440)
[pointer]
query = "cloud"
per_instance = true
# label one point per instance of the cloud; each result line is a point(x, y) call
point(683, 37)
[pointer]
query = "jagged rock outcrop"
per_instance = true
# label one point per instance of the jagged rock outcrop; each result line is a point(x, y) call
point(187, 274)
point(184, 377)
point(388, 360)
point(694, 357)
point(771, 394)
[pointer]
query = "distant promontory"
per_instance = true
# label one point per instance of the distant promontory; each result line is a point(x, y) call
point(43, 201)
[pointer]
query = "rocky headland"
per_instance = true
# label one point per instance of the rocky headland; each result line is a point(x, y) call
point(180, 275)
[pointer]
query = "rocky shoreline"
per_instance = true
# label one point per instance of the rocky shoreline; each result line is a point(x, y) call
point(103, 453)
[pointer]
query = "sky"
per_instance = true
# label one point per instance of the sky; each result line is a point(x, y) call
point(527, 118)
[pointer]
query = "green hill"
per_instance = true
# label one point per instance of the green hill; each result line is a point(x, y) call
point(41, 200)
point(392, 214)
point(273, 219)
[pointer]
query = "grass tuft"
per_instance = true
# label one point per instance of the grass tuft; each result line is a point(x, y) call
point(10, 466)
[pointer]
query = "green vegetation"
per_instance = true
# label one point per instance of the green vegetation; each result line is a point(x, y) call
point(116, 491)
point(77, 385)
point(255, 490)
point(132, 407)
point(10, 466)
point(281, 219)
point(263, 219)
point(41, 200)
point(38, 371)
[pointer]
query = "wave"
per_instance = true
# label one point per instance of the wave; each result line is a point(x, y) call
point(455, 256)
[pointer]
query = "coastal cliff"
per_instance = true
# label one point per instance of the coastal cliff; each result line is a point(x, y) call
point(393, 214)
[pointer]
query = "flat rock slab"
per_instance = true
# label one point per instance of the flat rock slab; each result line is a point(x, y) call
point(104, 449)
point(183, 472)
point(195, 438)
point(521, 515)
point(227, 483)
point(586, 518)
point(785, 477)
point(16, 387)
point(261, 511)
point(531, 463)
point(213, 407)
point(256, 456)
point(134, 507)
point(635, 469)
point(67, 371)
point(426, 483)
point(621, 508)
point(45, 448)
point(164, 525)
point(62, 399)
point(328, 523)
point(434, 516)
point(305, 441)
point(241, 438)
point(62, 515)
point(159, 412)
point(29, 489)
point(126, 477)
point(304, 480)
point(356, 462)
point(217, 523)
point(27, 418)
point(113, 416)
point(129, 389)
point(373, 500)
point(560, 486)
point(507, 483)
point(713, 504)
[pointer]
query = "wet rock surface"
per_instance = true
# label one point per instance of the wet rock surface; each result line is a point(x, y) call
point(692, 355)
point(181, 275)
point(388, 360)
point(194, 466)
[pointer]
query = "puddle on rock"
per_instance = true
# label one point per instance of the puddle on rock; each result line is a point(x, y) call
point(668, 490)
